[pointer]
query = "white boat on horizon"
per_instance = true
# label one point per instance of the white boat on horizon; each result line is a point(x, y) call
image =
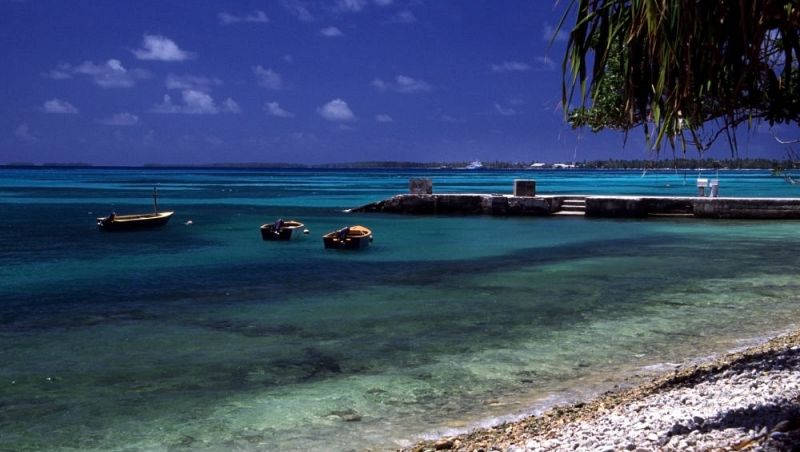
point(476, 164)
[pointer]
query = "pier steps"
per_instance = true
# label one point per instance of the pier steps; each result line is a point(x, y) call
point(572, 206)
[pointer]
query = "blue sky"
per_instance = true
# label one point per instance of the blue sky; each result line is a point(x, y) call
point(134, 82)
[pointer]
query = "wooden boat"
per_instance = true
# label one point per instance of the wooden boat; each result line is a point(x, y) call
point(280, 230)
point(349, 238)
point(155, 219)
point(136, 221)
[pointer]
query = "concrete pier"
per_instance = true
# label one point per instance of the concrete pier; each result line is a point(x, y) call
point(594, 206)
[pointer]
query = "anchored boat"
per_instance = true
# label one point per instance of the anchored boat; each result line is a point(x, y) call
point(349, 238)
point(155, 219)
point(280, 230)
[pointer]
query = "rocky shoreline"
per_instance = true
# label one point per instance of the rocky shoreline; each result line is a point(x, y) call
point(748, 400)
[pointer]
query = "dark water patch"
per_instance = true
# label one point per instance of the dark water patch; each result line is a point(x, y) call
point(249, 329)
point(17, 322)
point(312, 364)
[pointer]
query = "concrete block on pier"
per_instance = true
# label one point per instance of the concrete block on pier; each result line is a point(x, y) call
point(420, 186)
point(524, 187)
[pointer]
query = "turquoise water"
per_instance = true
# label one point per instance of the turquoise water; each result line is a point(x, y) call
point(204, 337)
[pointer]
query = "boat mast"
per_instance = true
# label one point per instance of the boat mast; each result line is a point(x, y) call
point(155, 200)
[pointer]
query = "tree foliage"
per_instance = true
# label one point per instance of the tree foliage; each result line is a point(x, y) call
point(686, 70)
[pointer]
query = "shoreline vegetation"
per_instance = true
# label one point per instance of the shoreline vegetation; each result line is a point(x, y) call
point(609, 164)
point(743, 400)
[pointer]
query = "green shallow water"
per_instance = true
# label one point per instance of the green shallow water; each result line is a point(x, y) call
point(204, 337)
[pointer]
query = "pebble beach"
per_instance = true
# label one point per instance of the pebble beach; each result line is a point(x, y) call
point(746, 400)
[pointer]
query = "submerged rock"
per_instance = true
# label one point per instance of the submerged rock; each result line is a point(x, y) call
point(348, 415)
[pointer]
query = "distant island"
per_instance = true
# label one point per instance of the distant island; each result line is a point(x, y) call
point(609, 164)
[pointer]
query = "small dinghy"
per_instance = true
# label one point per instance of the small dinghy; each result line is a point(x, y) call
point(349, 238)
point(280, 230)
point(155, 219)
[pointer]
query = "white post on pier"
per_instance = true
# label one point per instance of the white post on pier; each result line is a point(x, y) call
point(701, 187)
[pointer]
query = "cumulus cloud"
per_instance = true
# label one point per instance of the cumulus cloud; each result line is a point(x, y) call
point(268, 78)
point(23, 133)
point(161, 48)
point(230, 106)
point(511, 66)
point(195, 103)
point(546, 63)
point(331, 32)
point(63, 72)
point(549, 33)
point(111, 74)
point(274, 109)
point(256, 17)
point(299, 9)
point(120, 119)
point(336, 110)
point(402, 84)
point(59, 106)
point(505, 111)
point(191, 82)
point(383, 118)
point(353, 6)
point(403, 17)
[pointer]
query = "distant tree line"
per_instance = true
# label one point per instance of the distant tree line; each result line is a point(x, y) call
point(754, 163)
point(682, 163)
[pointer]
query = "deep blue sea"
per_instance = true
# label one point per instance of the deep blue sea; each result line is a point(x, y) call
point(201, 336)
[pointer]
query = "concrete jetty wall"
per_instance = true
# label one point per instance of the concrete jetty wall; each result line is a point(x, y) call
point(461, 204)
point(595, 206)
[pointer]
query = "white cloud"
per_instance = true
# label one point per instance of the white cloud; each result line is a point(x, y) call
point(120, 119)
point(383, 118)
point(62, 73)
point(195, 103)
point(59, 106)
point(256, 17)
point(161, 48)
point(214, 140)
point(549, 33)
point(546, 63)
point(353, 6)
point(299, 9)
point(511, 66)
point(111, 74)
point(274, 109)
point(23, 133)
point(191, 82)
point(403, 17)
point(230, 106)
point(505, 111)
point(331, 32)
point(452, 120)
point(402, 84)
point(268, 78)
point(336, 110)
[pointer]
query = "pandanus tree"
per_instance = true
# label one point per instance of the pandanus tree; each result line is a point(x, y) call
point(686, 71)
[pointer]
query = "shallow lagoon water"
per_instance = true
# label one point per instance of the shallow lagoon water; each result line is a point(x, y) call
point(203, 336)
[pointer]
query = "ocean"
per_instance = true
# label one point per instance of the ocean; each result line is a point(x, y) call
point(201, 336)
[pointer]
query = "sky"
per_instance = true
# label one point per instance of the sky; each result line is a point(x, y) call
point(295, 81)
